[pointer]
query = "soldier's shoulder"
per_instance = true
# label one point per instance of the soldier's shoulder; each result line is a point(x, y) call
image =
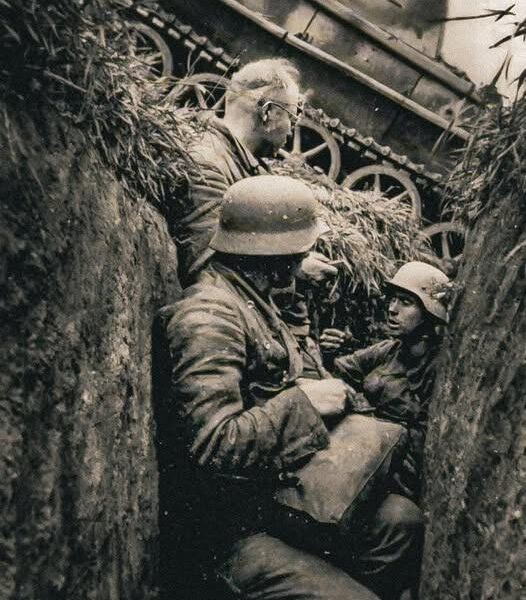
point(375, 351)
point(203, 309)
point(382, 349)
point(202, 296)
point(209, 146)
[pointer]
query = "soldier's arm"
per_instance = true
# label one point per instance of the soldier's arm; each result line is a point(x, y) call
point(194, 226)
point(208, 354)
point(210, 178)
point(207, 187)
point(353, 368)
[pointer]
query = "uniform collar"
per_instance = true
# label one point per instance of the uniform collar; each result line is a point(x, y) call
point(270, 313)
point(270, 310)
point(253, 164)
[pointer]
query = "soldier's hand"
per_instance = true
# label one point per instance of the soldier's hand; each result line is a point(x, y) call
point(328, 396)
point(316, 268)
point(332, 339)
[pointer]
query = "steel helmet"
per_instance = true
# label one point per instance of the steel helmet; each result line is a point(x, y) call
point(427, 283)
point(267, 215)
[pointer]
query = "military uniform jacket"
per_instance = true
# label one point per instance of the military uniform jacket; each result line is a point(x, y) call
point(221, 160)
point(396, 387)
point(237, 418)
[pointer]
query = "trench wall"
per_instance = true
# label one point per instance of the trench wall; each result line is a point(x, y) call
point(84, 268)
point(476, 444)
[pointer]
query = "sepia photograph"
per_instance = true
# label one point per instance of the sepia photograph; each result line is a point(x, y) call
point(262, 309)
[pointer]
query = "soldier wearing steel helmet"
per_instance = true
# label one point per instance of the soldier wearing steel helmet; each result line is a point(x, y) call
point(396, 376)
point(235, 416)
point(238, 416)
point(394, 379)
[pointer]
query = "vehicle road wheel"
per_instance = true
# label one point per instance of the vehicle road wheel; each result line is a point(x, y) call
point(205, 91)
point(446, 239)
point(147, 41)
point(388, 182)
point(314, 145)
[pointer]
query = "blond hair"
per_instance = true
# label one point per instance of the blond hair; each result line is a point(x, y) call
point(258, 79)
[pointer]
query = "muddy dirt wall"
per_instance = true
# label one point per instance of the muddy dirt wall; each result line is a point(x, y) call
point(84, 269)
point(476, 445)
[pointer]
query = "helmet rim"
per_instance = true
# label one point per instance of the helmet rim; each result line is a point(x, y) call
point(267, 215)
point(427, 276)
point(265, 243)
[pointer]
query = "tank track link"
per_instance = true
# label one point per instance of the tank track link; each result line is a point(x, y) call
point(184, 34)
point(366, 146)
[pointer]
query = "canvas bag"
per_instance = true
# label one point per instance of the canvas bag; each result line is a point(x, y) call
point(335, 480)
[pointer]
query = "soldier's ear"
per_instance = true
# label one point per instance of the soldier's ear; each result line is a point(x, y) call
point(263, 109)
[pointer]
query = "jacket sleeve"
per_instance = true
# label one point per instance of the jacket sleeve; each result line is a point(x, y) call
point(196, 224)
point(213, 177)
point(353, 368)
point(209, 360)
point(206, 189)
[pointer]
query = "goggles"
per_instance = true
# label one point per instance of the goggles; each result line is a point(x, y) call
point(294, 116)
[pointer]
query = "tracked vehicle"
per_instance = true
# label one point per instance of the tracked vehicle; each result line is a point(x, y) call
point(383, 112)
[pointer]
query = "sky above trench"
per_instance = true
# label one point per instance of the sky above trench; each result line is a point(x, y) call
point(466, 43)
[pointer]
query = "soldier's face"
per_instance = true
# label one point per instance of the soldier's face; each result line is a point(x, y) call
point(404, 315)
point(280, 114)
point(283, 269)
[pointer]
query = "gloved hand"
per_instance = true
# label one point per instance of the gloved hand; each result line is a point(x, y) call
point(333, 339)
point(316, 268)
point(328, 396)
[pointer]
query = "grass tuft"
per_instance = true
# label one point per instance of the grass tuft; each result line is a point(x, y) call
point(78, 58)
point(493, 165)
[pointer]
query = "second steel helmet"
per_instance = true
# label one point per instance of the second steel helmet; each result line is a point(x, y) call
point(267, 215)
point(427, 283)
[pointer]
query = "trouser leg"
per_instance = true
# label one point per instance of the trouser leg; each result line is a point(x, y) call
point(389, 553)
point(262, 567)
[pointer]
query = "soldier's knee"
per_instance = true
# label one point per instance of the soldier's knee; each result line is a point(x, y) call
point(400, 512)
point(263, 566)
